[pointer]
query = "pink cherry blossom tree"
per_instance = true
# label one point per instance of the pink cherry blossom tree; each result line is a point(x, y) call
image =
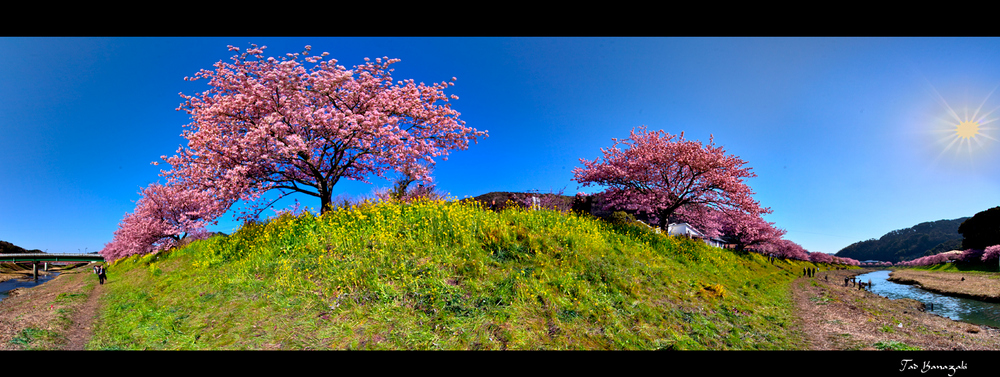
point(790, 250)
point(932, 259)
point(660, 173)
point(163, 216)
point(300, 124)
point(847, 261)
point(819, 257)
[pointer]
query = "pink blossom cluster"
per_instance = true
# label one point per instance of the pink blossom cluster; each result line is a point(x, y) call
point(820, 258)
point(300, 125)
point(163, 216)
point(971, 256)
point(830, 259)
point(790, 250)
point(991, 254)
point(932, 259)
point(748, 231)
point(847, 261)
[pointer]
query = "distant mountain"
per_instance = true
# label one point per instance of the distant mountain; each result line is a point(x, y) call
point(9, 248)
point(907, 244)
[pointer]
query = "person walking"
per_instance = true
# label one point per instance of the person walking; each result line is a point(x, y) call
point(103, 275)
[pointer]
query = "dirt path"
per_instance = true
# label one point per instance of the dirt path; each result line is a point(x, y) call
point(56, 315)
point(83, 321)
point(835, 317)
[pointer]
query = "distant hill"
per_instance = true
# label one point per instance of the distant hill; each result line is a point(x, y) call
point(927, 238)
point(9, 248)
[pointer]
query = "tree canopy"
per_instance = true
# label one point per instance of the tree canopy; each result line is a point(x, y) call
point(660, 173)
point(301, 123)
point(982, 230)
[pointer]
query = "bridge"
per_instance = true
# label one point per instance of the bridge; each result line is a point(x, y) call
point(35, 258)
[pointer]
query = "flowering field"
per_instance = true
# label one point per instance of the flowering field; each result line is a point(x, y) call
point(447, 275)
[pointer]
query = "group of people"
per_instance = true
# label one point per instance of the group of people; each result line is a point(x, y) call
point(810, 272)
point(854, 282)
point(101, 273)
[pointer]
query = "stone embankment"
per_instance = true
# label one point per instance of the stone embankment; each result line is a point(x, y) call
point(973, 285)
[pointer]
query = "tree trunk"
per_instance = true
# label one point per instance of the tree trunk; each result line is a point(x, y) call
point(664, 222)
point(324, 200)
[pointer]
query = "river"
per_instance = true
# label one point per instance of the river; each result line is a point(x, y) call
point(8, 285)
point(959, 309)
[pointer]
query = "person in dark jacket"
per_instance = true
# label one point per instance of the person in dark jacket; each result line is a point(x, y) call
point(101, 277)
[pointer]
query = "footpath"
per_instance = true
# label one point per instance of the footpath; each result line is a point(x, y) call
point(56, 315)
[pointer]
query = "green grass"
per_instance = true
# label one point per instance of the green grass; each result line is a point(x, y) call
point(893, 345)
point(37, 339)
point(446, 275)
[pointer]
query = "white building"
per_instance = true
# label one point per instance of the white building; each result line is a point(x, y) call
point(686, 230)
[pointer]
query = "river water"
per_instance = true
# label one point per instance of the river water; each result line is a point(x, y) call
point(959, 309)
point(7, 286)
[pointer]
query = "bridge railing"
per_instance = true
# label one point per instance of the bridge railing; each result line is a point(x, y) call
point(45, 257)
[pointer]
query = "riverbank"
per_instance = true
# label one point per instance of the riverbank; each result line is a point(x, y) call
point(56, 315)
point(835, 317)
point(976, 286)
point(13, 271)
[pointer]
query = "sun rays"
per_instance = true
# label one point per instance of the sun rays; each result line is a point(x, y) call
point(968, 131)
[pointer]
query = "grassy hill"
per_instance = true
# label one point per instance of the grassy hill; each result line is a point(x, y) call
point(447, 275)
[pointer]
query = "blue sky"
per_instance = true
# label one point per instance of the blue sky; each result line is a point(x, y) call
point(848, 136)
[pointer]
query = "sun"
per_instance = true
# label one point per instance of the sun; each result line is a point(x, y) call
point(967, 129)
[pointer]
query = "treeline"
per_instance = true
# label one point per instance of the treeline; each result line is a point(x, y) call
point(921, 240)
